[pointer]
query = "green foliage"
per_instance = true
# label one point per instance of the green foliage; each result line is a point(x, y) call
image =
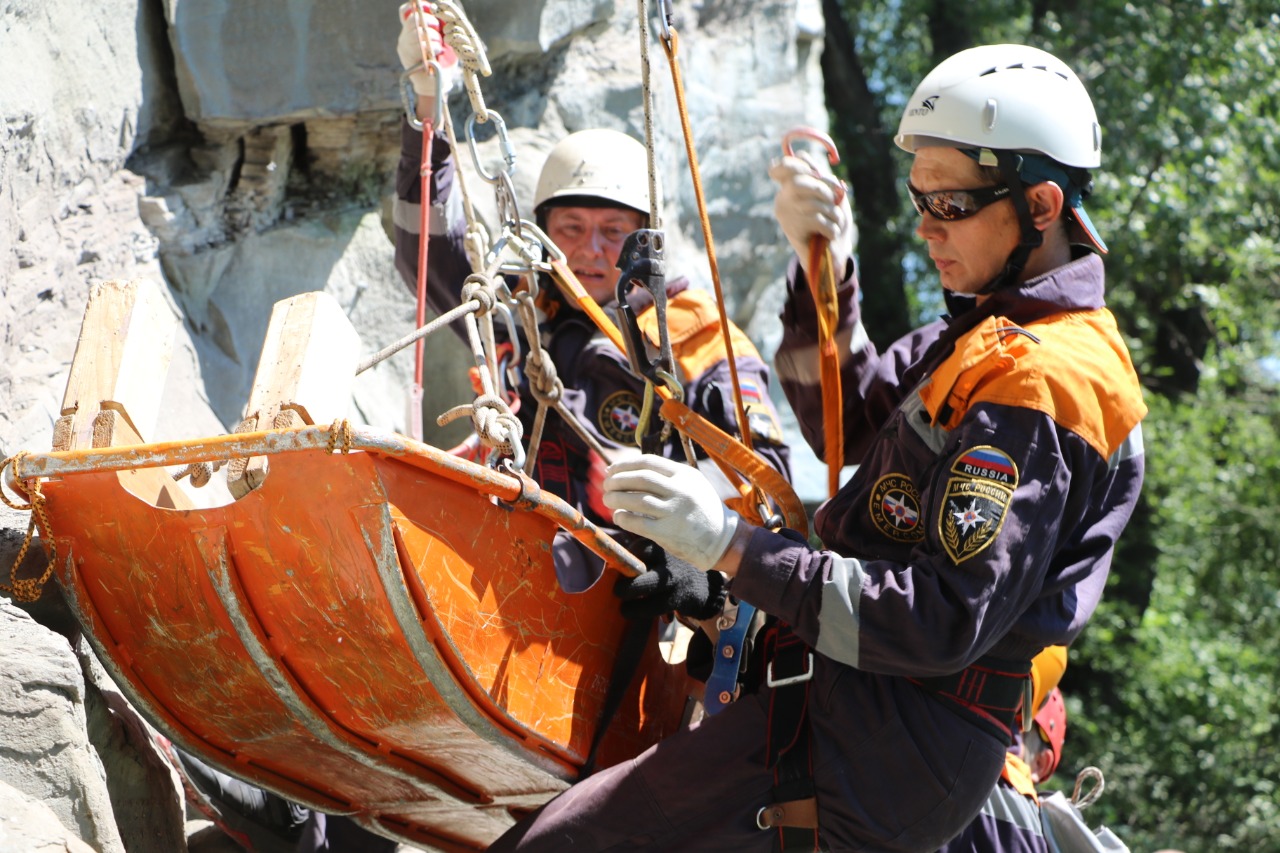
point(1172, 688)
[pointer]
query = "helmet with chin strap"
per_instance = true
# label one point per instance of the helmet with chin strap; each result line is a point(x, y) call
point(1020, 109)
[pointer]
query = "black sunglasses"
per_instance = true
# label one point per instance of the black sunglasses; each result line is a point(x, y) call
point(950, 205)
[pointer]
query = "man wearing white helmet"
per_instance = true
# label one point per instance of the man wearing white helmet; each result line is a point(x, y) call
point(999, 458)
point(592, 193)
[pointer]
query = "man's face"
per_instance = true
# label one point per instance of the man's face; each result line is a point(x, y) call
point(591, 239)
point(968, 252)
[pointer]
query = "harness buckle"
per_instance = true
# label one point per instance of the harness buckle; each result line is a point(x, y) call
point(807, 674)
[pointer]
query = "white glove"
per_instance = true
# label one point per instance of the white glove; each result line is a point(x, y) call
point(409, 47)
point(672, 504)
point(806, 206)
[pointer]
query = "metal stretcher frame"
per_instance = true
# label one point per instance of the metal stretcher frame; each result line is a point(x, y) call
point(376, 632)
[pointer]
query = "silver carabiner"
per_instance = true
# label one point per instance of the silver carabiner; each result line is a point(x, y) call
point(504, 142)
point(664, 19)
point(409, 95)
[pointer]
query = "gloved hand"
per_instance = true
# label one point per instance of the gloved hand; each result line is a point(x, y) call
point(806, 205)
point(597, 470)
point(670, 585)
point(409, 47)
point(672, 504)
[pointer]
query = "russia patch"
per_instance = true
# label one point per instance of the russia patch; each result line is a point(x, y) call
point(751, 390)
point(987, 463)
point(618, 417)
point(895, 508)
point(976, 500)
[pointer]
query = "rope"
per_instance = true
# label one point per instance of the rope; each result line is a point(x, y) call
point(671, 45)
point(340, 436)
point(465, 41)
point(655, 219)
point(438, 323)
point(545, 384)
point(29, 589)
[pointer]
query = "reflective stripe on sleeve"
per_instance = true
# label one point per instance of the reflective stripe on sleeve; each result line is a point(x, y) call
point(405, 215)
point(1008, 806)
point(1129, 448)
point(839, 622)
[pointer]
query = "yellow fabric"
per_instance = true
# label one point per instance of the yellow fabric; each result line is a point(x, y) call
point(1018, 774)
point(1076, 370)
point(1046, 671)
point(693, 323)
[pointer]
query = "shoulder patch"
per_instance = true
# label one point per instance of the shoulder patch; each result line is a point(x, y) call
point(976, 500)
point(619, 415)
point(895, 508)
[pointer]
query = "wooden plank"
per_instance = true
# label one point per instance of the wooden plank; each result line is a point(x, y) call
point(305, 375)
point(122, 356)
point(112, 428)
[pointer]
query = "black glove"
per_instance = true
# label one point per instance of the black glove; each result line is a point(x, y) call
point(670, 584)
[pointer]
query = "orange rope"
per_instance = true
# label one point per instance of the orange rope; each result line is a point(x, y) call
point(670, 47)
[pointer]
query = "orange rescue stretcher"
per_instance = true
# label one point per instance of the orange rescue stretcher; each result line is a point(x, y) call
point(375, 630)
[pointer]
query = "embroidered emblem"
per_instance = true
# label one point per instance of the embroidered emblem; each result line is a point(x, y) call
point(619, 416)
point(895, 508)
point(987, 463)
point(976, 500)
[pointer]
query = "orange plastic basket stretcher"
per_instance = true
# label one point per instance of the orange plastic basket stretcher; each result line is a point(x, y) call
point(377, 633)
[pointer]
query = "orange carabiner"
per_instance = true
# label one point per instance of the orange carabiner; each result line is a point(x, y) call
point(833, 156)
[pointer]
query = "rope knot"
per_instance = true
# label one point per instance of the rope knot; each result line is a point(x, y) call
point(544, 382)
point(479, 289)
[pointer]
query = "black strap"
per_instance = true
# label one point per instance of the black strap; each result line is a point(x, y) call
point(635, 639)
point(789, 750)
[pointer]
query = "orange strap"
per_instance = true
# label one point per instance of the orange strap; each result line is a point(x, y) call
point(719, 445)
point(823, 287)
point(822, 284)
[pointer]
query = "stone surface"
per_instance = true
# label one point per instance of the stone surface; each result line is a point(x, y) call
point(46, 751)
point(282, 61)
point(29, 825)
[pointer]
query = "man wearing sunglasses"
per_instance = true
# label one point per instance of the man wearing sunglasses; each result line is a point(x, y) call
point(999, 457)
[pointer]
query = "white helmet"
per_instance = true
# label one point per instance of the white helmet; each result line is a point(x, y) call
point(601, 164)
point(1004, 97)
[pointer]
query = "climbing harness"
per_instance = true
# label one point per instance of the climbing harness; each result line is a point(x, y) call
point(822, 284)
point(789, 749)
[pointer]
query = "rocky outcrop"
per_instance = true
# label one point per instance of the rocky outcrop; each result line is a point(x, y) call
point(241, 152)
point(47, 755)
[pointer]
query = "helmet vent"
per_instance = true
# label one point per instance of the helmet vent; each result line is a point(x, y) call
point(989, 115)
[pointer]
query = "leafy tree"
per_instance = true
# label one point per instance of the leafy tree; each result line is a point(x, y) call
point(1172, 687)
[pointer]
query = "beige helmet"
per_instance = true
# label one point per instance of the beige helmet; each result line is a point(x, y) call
point(596, 164)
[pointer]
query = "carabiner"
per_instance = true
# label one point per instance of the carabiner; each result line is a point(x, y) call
point(409, 95)
point(664, 19)
point(504, 142)
point(833, 156)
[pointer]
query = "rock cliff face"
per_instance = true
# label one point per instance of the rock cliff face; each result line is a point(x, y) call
point(241, 152)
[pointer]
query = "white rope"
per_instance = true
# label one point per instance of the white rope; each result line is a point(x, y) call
point(655, 220)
